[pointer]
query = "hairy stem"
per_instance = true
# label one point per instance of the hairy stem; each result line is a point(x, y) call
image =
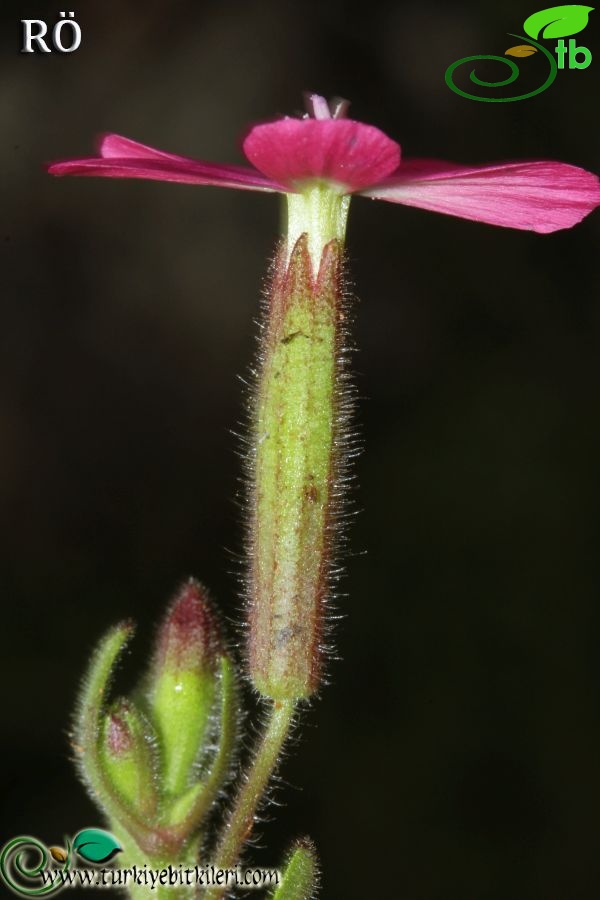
point(242, 817)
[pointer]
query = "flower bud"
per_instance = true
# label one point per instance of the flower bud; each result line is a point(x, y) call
point(301, 874)
point(183, 684)
point(298, 441)
point(128, 757)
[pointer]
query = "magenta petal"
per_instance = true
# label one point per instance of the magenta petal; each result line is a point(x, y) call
point(348, 153)
point(534, 196)
point(115, 146)
point(123, 158)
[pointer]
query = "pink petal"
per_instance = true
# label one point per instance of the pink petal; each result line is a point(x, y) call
point(115, 146)
point(534, 196)
point(123, 158)
point(348, 153)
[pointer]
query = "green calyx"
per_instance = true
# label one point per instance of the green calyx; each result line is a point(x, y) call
point(181, 704)
point(128, 756)
point(320, 211)
point(297, 441)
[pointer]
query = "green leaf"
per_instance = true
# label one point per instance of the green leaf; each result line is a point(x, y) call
point(557, 21)
point(301, 875)
point(95, 845)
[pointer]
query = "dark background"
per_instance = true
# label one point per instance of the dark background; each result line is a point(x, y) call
point(456, 753)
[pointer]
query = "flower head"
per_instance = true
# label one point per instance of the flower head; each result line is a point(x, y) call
point(326, 149)
point(299, 445)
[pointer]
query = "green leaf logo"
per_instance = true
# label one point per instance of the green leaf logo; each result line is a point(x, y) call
point(95, 845)
point(557, 21)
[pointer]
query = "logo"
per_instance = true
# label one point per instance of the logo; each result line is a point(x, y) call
point(555, 22)
point(31, 869)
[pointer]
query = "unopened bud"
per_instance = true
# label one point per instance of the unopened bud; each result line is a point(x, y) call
point(183, 683)
point(128, 756)
point(298, 444)
point(300, 878)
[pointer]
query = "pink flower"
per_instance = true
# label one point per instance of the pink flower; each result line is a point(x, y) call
point(353, 158)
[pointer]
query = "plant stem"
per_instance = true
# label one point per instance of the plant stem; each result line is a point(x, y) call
point(242, 817)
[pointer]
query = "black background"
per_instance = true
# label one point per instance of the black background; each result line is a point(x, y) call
point(456, 752)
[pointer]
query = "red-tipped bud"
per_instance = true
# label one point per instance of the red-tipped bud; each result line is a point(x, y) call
point(189, 637)
point(128, 756)
point(119, 741)
point(183, 683)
